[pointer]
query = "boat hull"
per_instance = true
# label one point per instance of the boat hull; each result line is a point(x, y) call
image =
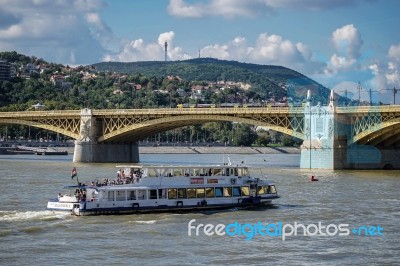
point(135, 208)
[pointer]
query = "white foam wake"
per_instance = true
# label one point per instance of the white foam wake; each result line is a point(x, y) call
point(146, 222)
point(31, 215)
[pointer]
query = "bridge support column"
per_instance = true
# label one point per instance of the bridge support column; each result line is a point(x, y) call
point(88, 150)
point(322, 147)
point(106, 153)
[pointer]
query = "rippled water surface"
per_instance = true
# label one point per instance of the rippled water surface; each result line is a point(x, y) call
point(31, 235)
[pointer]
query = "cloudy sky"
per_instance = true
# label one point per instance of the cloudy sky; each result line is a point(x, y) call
point(336, 42)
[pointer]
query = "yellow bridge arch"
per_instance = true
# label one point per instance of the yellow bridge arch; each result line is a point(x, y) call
point(156, 125)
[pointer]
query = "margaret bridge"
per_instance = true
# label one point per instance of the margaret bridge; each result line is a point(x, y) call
point(364, 137)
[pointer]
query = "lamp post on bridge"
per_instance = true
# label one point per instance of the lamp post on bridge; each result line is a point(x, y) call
point(359, 88)
point(309, 125)
point(394, 94)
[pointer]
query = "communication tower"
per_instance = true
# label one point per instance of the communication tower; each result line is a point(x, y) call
point(165, 50)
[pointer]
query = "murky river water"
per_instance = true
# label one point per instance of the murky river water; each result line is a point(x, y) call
point(31, 235)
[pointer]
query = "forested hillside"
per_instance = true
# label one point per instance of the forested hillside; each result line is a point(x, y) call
point(265, 80)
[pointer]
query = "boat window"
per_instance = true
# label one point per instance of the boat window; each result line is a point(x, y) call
point(262, 190)
point(210, 192)
point(200, 192)
point(153, 172)
point(132, 195)
point(227, 191)
point(142, 194)
point(194, 172)
point(181, 193)
point(273, 189)
point(191, 192)
point(153, 193)
point(161, 193)
point(172, 193)
point(243, 172)
point(110, 195)
point(216, 171)
point(235, 171)
point(212, 181)
point(236, 192)
point(226, 172)
point(218, 192)
point(245, 191)
point(121, 195)
point(177, 172)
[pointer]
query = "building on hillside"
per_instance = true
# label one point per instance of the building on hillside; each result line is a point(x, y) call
point(38, 106)
point(57, 80)
point(5, 70)
point(30, 69)
point(118, 92)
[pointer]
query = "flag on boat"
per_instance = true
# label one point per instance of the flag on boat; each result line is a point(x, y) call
point(74, 173)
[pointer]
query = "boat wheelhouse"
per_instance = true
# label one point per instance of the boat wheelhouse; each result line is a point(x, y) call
point(151, 188)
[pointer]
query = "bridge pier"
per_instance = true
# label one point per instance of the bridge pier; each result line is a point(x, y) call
point(322, 148)
point(89, 152)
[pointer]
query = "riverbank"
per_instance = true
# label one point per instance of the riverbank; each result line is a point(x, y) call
point(197, 150)
point(216, 150)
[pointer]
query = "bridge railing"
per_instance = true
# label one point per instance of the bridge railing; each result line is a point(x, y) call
point(50, 113)
point(158, 111)
point(165, 111)
point(368, 109)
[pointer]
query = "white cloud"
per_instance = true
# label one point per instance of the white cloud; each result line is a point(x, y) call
point(392, 73)
point(394, 53)
point(181, 9)
point(138, 50)
point(348, 42)
point(225, 8)
point(101, 32)
point(385, 75)
point(248, 8)
point(268, 49)
point(166, 37)
point(63, 27)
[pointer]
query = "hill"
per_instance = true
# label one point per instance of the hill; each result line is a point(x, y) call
point(266, 80)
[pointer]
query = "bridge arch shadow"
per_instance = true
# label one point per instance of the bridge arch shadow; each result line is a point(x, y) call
point(140, 131)
point(386, 133)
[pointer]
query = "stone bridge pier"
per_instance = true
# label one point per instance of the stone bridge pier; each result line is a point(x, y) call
point(326, 142)
point(323, 147)
point(88, 150)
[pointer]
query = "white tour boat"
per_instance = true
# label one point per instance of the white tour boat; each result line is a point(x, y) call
point(150, 188)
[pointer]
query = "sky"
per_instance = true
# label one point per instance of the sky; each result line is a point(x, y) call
point(338, 43)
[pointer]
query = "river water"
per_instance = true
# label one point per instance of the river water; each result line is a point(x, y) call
point(29, 234)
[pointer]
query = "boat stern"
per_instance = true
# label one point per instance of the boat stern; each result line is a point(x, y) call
point(56, 205)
